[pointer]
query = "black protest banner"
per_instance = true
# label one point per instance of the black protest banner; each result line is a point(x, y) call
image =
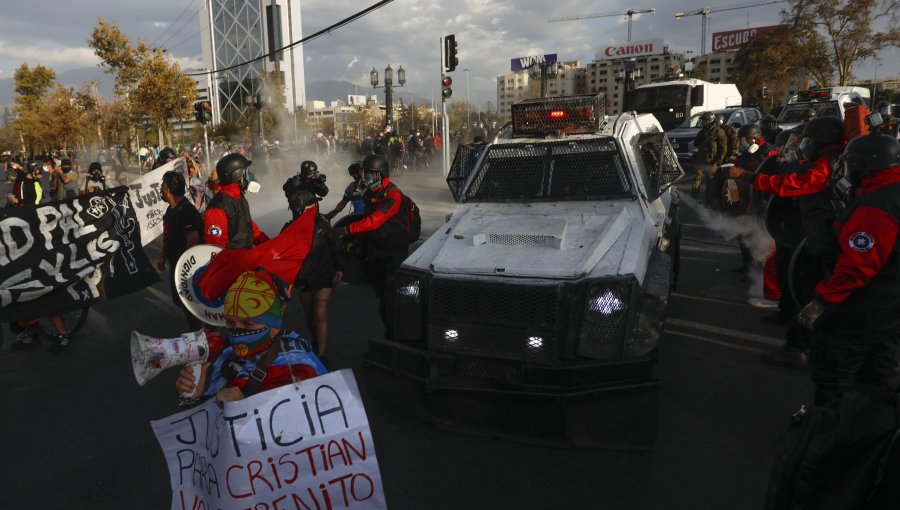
point(63, 255)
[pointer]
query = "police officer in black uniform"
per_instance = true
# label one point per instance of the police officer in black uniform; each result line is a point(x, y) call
point(854, 313)
point(810, 184)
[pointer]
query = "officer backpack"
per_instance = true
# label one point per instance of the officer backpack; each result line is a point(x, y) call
point(413, 221)
point(837, 458)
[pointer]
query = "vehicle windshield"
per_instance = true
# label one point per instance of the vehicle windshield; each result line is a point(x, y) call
point(692, 122)
point(666, 96)
point(563, 170)
point(795, 112)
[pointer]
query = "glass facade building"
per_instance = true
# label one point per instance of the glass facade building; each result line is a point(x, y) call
point(236, 35)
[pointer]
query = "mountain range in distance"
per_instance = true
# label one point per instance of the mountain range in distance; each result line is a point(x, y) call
point(323, 90)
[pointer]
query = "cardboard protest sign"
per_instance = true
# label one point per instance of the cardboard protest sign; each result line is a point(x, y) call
point(67, 254)
point(294, 447)
point(148, 203)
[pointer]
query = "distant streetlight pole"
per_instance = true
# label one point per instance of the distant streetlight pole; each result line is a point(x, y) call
point(468, 120)
point(388, 89)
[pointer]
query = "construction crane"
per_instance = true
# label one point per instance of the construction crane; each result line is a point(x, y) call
point(629, 13)
point(707, 10)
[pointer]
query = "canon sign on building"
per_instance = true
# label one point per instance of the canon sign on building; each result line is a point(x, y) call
point(630, 49)
point(734, 39)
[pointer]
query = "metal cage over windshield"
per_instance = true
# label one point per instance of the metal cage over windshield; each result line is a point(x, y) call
point(579, 169)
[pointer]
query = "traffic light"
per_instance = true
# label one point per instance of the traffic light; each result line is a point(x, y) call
point(203, 112)
point(450, 60)
point(446, 91)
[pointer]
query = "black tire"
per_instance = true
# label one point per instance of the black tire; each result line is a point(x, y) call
point(73, 321)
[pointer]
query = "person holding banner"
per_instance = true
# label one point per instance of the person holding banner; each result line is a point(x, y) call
point(182, 229)
point(259, 354)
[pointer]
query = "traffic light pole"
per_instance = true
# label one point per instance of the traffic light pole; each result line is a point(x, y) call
point(206, 149)
point(445, 121)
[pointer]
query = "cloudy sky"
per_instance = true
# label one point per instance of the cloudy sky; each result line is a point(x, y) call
point(406, 32)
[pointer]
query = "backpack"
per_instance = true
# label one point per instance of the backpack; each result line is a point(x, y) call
point(836, 458)
point(410, 218)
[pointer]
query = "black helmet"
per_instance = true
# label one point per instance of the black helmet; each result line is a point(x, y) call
point(825, 130)
point(309, 169)
point(377, 163)
point(231, 168)
point(768, 122)
point(809, 114)
point(354, 168)
point(720, 119)
point(95, 169)
point(708, 118)
point(166, 154)
point(298, 194)
point(749, 130)
point(34, 166)
point(870, 153)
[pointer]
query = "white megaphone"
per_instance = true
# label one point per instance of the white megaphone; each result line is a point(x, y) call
point(151, 355)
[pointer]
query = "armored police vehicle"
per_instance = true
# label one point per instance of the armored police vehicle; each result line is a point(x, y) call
point(534, 313)
point(830, 102)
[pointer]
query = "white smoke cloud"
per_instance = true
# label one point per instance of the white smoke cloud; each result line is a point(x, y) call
point(355, 60)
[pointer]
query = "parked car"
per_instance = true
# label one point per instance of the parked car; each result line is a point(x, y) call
point(682, 138)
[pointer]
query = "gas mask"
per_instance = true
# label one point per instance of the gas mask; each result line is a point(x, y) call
point(749, 146)
point(369, 179)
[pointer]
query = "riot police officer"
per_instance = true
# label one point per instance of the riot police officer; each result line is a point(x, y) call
point(811, 185)
point(711, 143)
point(854, 312)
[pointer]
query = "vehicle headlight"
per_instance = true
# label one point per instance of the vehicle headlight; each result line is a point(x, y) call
point(405, 307)
point(603, 328)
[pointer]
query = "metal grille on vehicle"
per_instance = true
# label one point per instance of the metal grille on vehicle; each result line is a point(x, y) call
point(509, 321)
point(606, 315)
point(520, 240)
point(463, 164)
point(559, 170)
point(506, 371)
point(660, 161)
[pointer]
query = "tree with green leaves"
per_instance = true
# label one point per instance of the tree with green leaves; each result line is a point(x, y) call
point(150, 84)
point(32, 86)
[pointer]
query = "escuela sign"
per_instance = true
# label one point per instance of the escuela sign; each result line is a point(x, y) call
point(295, 447)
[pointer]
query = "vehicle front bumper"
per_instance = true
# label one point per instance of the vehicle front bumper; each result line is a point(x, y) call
point(583, 403)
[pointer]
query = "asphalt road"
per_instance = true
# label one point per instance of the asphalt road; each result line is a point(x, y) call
point(76, 426)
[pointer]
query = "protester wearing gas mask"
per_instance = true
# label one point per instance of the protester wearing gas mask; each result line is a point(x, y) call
point(386, 224)
point(854, 312)
point(227, 217)
point(812, 184)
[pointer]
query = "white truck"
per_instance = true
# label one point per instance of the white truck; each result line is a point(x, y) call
point(826, 102)
point(534, 313)
point(674, 101)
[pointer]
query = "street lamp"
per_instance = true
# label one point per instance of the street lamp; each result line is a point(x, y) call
point(626, 75)
point(543, 70)
point(388, 89)
point(258, 101)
